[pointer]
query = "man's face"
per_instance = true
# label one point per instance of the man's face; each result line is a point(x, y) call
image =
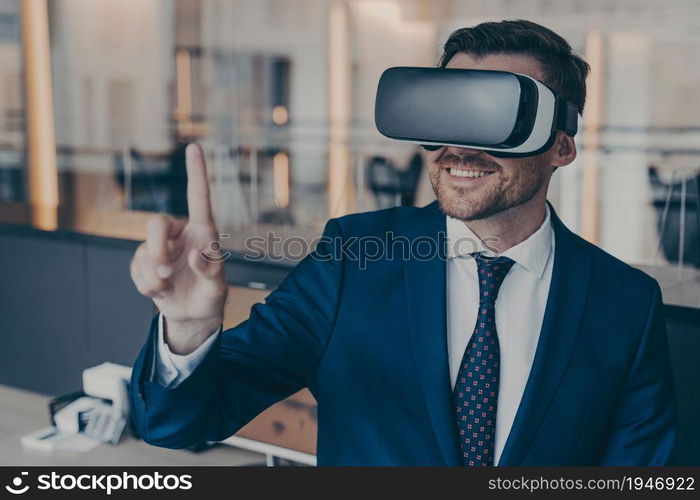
point(493, 184)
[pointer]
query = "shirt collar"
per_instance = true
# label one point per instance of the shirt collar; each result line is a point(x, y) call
point(531, 253)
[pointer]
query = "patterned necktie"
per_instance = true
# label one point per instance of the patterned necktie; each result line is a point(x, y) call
point(476, 391)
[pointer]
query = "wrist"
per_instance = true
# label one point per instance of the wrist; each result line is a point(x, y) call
point(184, 337)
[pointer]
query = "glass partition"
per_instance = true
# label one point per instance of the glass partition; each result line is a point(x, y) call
point(280, 95)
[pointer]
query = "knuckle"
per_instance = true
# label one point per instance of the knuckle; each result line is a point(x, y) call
point(159, 285)
point(151, 288)
point(140, 252)
point(140, 258)
point(134, 264)
point(141, 287)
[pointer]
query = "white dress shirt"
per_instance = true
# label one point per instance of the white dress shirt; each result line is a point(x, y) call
point(520, 308)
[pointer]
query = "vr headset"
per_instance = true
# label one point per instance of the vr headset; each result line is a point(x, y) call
point(505, 114)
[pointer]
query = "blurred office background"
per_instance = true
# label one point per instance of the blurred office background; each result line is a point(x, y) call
point(99, 97)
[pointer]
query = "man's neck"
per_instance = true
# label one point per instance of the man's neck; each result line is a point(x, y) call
point(510, 227)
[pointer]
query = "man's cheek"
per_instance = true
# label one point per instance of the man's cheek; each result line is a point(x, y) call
point(433, 166)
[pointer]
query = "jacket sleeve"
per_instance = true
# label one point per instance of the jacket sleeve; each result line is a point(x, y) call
point(268, 357)
point(644, 426)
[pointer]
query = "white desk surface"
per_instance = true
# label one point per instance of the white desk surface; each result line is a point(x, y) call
point(22, 412)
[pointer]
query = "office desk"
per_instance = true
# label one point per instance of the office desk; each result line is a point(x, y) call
point(22, 412)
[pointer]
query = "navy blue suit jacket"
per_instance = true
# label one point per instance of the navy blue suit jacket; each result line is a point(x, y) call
point(368, 338)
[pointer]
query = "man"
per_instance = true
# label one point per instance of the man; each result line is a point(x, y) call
point(525, 346)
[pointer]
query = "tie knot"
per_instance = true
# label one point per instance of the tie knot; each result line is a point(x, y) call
point(491, 272)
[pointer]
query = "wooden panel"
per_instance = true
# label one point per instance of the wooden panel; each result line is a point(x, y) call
point(239, 302)
point(291, 423)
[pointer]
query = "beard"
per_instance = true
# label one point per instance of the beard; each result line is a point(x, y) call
point(501, 190)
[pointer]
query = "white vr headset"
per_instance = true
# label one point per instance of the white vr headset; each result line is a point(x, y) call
point(505, 114)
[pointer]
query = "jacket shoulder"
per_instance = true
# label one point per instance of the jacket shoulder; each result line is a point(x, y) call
point(614, 269)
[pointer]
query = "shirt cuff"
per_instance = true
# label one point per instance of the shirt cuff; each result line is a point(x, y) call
point(171, 368)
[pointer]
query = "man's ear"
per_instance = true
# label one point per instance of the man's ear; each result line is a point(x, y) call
point(563, 151)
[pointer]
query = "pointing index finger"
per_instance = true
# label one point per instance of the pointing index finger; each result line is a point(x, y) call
point(197, 186)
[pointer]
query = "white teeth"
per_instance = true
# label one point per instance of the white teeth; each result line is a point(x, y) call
point(468, 173)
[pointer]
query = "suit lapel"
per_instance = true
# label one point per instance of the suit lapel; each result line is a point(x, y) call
point(426, 291)
point(565, 304)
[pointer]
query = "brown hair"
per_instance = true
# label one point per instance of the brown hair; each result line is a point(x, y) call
point(564, 71)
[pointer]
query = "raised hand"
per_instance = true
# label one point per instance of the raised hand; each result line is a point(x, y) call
point(178, 268)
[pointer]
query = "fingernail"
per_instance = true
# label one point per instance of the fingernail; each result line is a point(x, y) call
point(163, 271)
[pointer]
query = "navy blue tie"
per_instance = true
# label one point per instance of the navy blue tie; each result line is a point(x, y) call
point(476, 391)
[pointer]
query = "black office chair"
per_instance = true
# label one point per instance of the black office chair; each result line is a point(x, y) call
point(392, 186)
point(667, 200)
point(158, 182)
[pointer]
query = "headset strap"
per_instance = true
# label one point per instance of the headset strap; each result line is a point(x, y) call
point(566, 116)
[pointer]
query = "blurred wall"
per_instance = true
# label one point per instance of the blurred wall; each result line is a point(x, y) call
point(113, 67)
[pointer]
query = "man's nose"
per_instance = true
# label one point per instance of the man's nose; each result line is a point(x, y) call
point(459, 151)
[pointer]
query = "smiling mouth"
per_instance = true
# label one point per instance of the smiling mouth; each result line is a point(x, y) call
point(457, 172)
